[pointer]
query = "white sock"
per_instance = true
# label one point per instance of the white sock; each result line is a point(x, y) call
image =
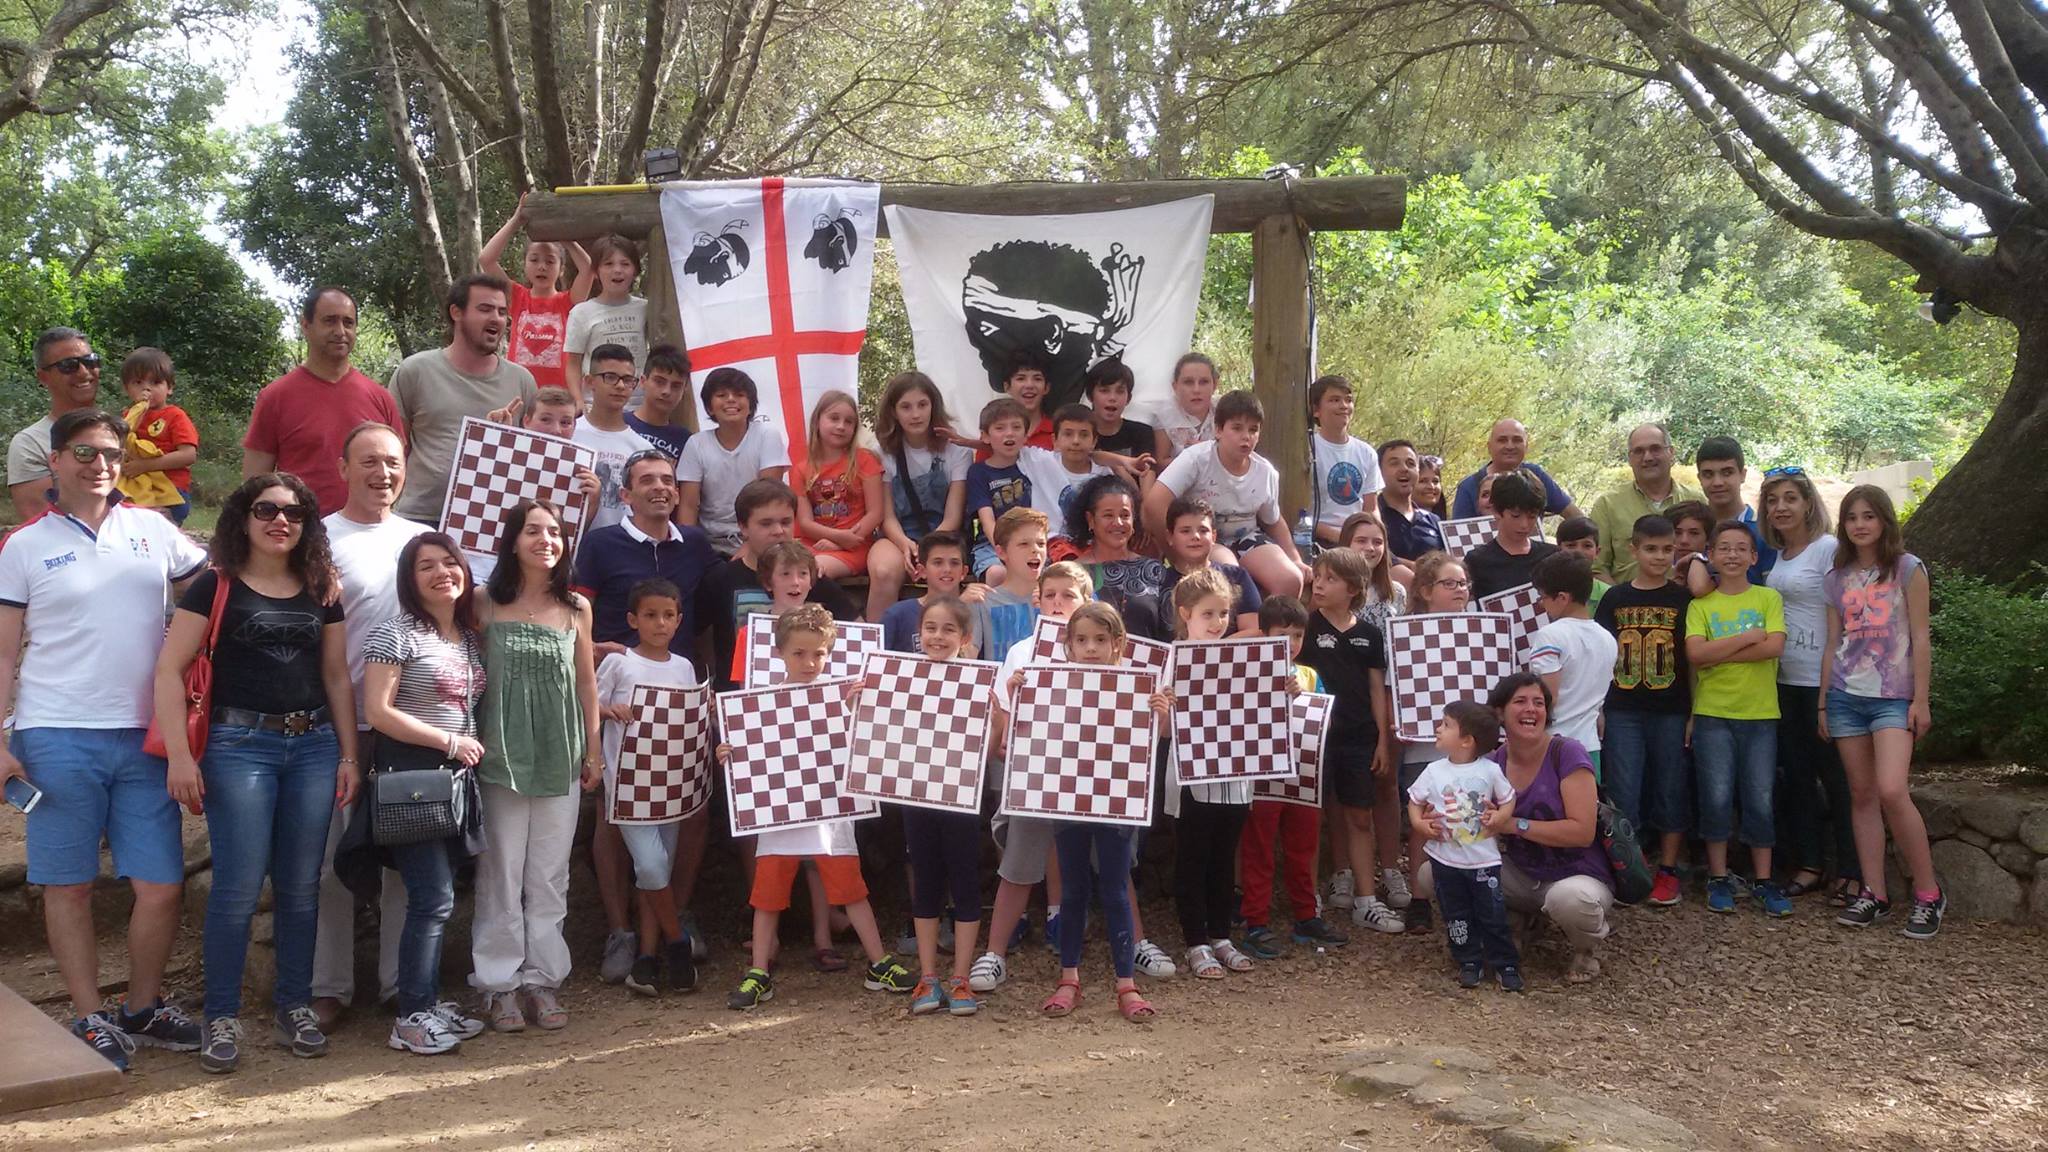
point(1051, 910)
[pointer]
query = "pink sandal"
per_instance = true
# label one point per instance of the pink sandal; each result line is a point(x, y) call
point(1062, 1002)
point(1133, 1004)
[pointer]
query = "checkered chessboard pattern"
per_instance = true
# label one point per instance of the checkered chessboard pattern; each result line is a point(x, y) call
point(664, 769)
point(851, 647)
point(1442, 657)
point(1081, 744)
point(496, 466)
point(1049, 645)
point(1462, 536)
point(789, 754)
point(1230, 709)
point(1521, 604)
point(1309, 717)
point(921, 732)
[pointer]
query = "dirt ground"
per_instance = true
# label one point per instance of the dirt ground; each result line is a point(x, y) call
point(1758, 1035)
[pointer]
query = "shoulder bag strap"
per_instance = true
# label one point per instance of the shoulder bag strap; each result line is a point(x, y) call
point(220, 603)
point(909, 487)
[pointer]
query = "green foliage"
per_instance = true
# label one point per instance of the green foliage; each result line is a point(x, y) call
point(185, 294)
point(1990, 672)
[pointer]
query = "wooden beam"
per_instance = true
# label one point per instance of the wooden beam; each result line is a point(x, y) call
point(664, 312)
point(1338, 203)
point(1280, 354)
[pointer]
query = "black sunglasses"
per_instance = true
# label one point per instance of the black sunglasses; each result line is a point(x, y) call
point(268, 510)
point(84, 453)
point(70, 364)
point(1787, 470)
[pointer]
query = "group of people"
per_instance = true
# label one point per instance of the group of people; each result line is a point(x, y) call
point(1696, 656)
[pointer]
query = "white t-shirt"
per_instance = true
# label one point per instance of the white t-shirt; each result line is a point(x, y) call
point(958, 458)
point(1583, 653)
point(28, 454)
point(93, 611)
point(366, 556)
point(1242, 503)
point(612, 450)
point(1053, 488)
point(1182, 430)
point(1799, 581)
point(721, 475)
point(594, 322)
point(1347, 475)
point(1460, 793)
point(622, 672)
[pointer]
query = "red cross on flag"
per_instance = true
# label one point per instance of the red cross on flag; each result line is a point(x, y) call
point(772, 278)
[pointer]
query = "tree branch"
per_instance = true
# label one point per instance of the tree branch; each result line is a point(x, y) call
point(712, 100)
point(38, 59)
point(642, 114)
point(513, 129)
point(547, 93)
point(426, 219)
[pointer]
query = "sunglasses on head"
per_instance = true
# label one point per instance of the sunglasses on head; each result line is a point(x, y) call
point(84, 454)
point(70, 364)
point(268, 510)
point(1787, 470)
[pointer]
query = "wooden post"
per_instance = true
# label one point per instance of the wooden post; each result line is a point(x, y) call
point(664, 312)
point(1280, 354)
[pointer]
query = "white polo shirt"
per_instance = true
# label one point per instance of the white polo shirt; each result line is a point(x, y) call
point(366, 557)
point(94, 614)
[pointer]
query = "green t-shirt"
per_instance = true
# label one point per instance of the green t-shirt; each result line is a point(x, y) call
point(1746, 690)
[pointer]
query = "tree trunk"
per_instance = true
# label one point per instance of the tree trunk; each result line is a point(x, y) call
point(547, 93)
point(633, 146)
point(451, 155)
point(509, 92)
point(419, 192)
point(1989, 514)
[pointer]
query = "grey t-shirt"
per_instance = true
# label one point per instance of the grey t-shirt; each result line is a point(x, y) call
point(28, 454)
point(433, 398)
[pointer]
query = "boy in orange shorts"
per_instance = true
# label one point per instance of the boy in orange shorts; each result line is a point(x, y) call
point(803, 638)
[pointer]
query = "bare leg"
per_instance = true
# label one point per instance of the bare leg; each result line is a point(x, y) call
point(1011, 900)
point(152, 930)
point(1358, 826)
point(67, 920)
point(964, 933)
point(1272, 571)
point(821, 912)
point(766, 925)
point(886, 574)
point(862, 917)
point(927, 929)
point(691, 837)
point(1866, 812)
point(1894, 749)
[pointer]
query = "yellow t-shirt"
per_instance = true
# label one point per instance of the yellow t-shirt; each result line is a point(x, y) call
point(1746, 690)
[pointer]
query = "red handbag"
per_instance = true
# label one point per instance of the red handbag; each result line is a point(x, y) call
point(198, 682)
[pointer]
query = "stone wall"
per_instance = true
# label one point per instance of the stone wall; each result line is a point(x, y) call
point(1990, 848)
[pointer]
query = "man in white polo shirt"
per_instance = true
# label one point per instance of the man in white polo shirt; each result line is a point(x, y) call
point(365, 537)
point(89, 583)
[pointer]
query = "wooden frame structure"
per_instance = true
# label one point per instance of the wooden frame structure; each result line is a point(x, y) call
point(1279, 214)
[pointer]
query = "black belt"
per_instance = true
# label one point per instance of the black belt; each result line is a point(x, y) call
point(289, 723)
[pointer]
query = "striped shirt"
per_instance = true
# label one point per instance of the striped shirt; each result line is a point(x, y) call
point(439, 681)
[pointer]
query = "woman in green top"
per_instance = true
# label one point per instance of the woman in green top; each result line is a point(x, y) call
point(539, 726)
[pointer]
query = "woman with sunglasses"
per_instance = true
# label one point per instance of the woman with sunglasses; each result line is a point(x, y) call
point(276, 763)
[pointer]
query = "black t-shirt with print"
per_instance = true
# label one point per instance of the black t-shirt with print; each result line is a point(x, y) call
point(1345, 658)
point(268, 655)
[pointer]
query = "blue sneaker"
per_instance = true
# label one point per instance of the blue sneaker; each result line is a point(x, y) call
point(1720, 894)
point(1262, 943)
point(1510, 978)
point(960, 999)
point(1022, 932)
point(1052, 933)
point(927, 997)
point(100, 1034)
point(1776, 904)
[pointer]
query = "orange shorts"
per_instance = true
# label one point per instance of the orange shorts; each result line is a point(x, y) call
point(855, 559)
point(775, 875)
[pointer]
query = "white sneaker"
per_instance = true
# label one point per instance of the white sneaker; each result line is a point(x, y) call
point(460, 1023)
point(988, 973)
point(1368, 912)
point(424, 1034)
point(1342, 891)
point(1396, 882)
point(1153, 961)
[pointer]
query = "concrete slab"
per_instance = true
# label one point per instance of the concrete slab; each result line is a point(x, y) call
point(41, 1064)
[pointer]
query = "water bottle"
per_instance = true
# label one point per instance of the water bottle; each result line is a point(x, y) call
point(1304, 532)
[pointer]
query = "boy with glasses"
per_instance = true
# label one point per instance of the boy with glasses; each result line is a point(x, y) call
point(603, 430)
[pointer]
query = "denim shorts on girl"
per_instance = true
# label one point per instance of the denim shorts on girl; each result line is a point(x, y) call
point(1853, 715)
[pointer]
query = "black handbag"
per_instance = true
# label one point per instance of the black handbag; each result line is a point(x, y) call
point(417, 794)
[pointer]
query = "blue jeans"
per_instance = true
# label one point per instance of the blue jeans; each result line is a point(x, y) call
point(1736, 756)
point(1096, 856)
point(429, 875)
point(1645, 767)
point(269, 802)
point(1475, 912)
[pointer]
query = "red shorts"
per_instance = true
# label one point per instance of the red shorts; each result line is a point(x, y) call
point(774, 876)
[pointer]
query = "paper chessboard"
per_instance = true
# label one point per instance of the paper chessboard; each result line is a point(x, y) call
point(1309, 716)
point(1229, 707)
point(1080, 745)
point(1441, 657)
point(789, 754)
point(851, 647)
point(1522, 605)
point(1049, 644)
point(1461, 536)
point(496, 466)
point(664, 769)
point(920, 734)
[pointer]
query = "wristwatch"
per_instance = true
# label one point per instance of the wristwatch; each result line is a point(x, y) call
point(1521, 826)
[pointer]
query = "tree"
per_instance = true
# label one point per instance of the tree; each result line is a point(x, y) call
point(183, 293)
point(1918, 131)
point(56, 61)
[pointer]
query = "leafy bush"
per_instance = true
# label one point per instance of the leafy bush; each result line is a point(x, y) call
point(1990, 692)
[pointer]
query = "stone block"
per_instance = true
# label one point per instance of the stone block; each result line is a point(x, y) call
point(2037, 900)
point(1977, 887)
point(13, 873)
point(2014, 858)
point(2033, 830)
point(1477, 1112)
point(1996, 815)
point(1941, 815)
point(1382, 1081)
point(198, 887)
point(1973, 837)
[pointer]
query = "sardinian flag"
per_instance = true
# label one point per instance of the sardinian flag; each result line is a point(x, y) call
point(772, 277)
point(1066, 290)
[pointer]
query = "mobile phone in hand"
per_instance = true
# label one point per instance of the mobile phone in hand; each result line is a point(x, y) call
point(23, 795)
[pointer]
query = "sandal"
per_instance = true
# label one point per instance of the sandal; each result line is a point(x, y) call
point(1585, 966)
point(1064, 999)
point(1846, 889)
point(1133, 1004)
point(1227, 954)
point(828, 960)
point(1800, 886)
point(1202, 961)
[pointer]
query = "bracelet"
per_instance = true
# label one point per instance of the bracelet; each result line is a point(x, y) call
point(346, 760)
point(452, 738)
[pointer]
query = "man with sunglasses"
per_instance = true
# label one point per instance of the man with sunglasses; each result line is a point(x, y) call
point(1651, 489)
point(69, 370)
point(87, 584)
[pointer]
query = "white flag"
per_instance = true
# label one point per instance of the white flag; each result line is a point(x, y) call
point(1067, 290)
point(772, 278)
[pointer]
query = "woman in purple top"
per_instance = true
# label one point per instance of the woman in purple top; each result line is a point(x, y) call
point(1549, 860)
point(1875, 668)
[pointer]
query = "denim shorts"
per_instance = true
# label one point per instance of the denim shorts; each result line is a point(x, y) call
point(1853, 715)
point(983, 559)
point(98, 781)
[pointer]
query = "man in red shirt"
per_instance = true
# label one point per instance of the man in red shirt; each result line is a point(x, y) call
point(303, 416)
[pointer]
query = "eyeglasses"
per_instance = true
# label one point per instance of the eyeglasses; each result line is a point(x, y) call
point(268, 510)
point(1787, 470)
point(86, 453)
point(1453, 585)
point(70, 364)
point(611, 378)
